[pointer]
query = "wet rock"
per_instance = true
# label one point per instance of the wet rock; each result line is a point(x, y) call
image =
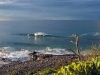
point(33, 55)
point(2, 59)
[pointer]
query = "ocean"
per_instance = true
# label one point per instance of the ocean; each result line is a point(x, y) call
point(17, 37)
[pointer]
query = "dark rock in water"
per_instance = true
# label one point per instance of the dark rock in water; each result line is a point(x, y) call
point(5, 59)
point(33, 55)
point(2, 59)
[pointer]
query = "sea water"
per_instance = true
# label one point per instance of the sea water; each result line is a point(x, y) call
point(17, 37)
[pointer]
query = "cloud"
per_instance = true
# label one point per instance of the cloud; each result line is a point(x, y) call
point(6, 19)
point(5, 2)
point(51, 9)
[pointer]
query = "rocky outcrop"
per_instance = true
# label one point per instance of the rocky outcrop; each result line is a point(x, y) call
point(2, 59)
point(35, 56)
point(47, 61)
point(43, 56)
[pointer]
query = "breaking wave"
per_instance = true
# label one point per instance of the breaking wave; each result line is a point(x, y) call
point(13, 54)
point(32, 35)
point(85, 35)
point(22, 55)
point(55, 51)
point(91, 34)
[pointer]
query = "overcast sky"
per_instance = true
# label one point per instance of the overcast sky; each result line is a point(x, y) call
point(49, 10)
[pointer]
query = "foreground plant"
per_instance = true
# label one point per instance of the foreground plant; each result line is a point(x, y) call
point(91, 67)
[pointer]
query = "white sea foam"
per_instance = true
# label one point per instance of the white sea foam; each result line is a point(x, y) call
point(7, 49)
point(55, 51)
point(19, 55)
point(92, 34)
point(96, 34)
point(22, 55)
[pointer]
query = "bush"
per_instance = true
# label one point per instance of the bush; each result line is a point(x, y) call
point(91, 67)
point(47, 72)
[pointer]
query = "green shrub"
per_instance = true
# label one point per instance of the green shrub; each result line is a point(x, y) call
point(91, 67)
point(47, 72)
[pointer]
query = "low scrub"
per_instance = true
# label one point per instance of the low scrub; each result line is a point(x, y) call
point(91, 67)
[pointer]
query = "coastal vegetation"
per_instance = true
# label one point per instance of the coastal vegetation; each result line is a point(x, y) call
point(89, 66)
point(78, 63)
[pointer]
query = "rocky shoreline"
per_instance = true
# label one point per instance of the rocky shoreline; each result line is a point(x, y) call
point(48, 61)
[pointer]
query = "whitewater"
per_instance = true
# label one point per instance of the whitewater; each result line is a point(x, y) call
point(13, 54)
point(17, 38)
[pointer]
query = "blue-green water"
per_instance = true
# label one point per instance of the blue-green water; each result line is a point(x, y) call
point(15, 34)
point(17, 37)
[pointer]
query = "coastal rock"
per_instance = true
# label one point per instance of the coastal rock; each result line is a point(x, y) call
point(33, 55)
point(5, 59)
point(2, 59)
point(46, 61)
point(43, 56)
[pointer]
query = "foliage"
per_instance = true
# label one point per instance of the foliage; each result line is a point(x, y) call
point(47, 72)
point(94, 51)
point(29, 73)
point(91, 67)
